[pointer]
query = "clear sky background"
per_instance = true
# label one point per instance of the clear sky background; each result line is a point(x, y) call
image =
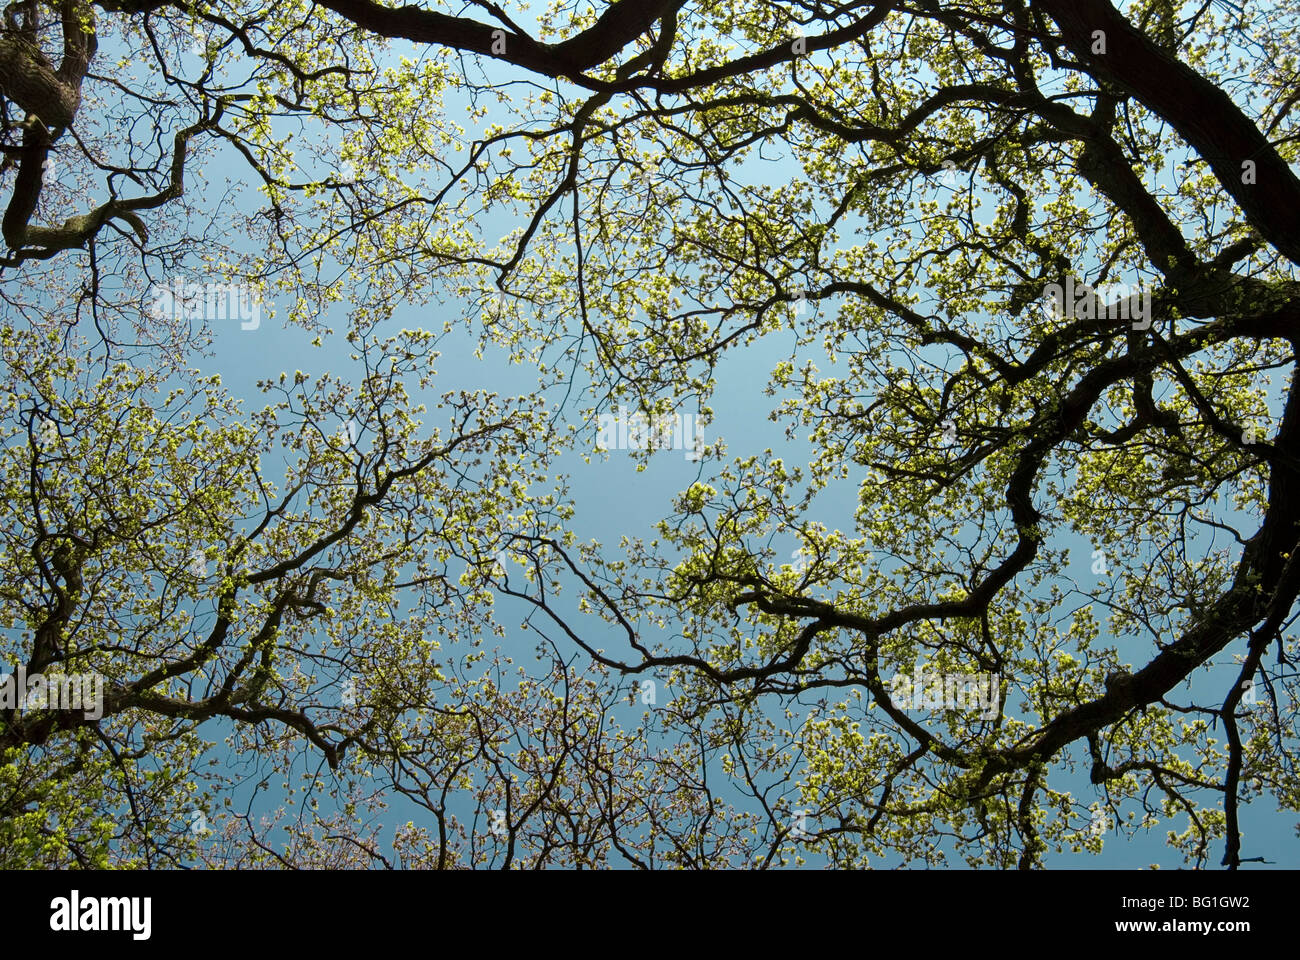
point(614, 499)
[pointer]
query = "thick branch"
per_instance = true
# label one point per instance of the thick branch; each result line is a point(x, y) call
point(618, 26)
point(1201, 112)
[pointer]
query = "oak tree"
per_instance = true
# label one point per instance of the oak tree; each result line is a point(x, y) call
point(1047, 249)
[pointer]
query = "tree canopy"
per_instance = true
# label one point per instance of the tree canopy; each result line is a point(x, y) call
point(1047, 250)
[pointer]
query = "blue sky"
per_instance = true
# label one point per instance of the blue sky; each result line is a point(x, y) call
point(614, 499)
